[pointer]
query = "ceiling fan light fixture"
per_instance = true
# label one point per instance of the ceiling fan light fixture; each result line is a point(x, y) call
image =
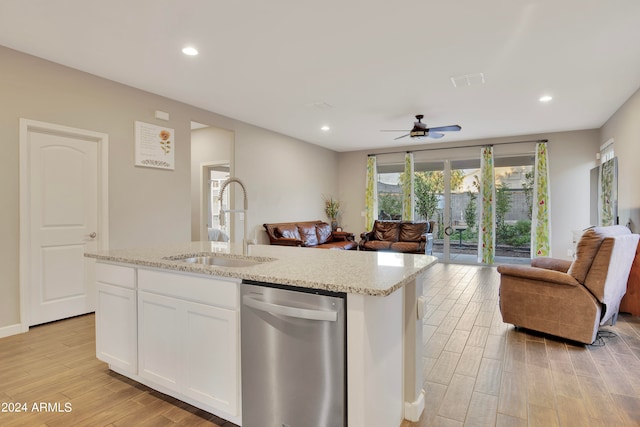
point(420, 130)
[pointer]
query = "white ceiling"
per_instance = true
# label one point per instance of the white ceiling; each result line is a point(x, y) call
point(292, 66)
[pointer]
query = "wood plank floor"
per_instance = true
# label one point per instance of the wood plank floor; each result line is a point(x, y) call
point(55, 365)
point(477, 371)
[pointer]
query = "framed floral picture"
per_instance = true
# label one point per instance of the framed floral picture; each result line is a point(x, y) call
point(154, 146)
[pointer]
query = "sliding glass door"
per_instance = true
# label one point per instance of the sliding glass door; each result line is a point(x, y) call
point(446, 190)
point(430, 189)
point(514, 193)
point(463, 209)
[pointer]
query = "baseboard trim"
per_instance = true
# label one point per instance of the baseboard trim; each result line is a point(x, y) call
point(7, 331)
point(413, 410)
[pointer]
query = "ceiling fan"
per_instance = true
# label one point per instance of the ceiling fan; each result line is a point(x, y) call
point(420, 130)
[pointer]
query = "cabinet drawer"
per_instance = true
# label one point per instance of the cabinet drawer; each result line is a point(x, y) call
point(205, 290)
point(116, 275)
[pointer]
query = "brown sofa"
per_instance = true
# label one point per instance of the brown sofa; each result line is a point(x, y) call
point(571, 299)
point(398, 236)
point(310, 234)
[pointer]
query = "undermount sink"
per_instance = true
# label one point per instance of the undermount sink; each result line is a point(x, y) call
point(220, 261)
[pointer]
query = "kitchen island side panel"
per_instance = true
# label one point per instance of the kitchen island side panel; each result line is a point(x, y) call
point(375, 360)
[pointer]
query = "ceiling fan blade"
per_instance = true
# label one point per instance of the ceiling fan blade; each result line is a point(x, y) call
point(452, 128)
point(401, 136)
point(392, 130)
point(435, 135)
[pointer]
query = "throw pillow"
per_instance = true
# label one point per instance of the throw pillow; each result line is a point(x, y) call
point(308, 235)
point(323, 232)
point(288, 232)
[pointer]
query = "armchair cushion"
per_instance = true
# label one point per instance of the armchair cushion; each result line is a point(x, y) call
point(407, 247)
point(385, 230)
point(556, 264)
point(585, 253)
point(412, 231)
point(308, 234)
point(288, 232)
point(376, 245)
point(324, 234)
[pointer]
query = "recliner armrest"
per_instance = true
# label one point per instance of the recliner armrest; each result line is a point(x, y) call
point(548, 263)
point(539, 274)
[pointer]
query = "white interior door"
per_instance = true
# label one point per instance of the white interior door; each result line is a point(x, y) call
point(63, 222)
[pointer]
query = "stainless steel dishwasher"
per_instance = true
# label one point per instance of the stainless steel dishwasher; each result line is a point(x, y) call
point(293, 357)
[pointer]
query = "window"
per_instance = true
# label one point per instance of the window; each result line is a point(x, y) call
point(606, 151)
point(389, 193)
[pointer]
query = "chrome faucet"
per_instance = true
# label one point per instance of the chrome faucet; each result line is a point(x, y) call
point(246, 208)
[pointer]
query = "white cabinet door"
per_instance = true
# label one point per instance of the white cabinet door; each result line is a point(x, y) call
point(116, 334)
point(190, 348)
point(210, 347)
point(159, 333)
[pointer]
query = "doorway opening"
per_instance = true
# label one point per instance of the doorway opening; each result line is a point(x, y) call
point(214, 175)
point(211, 164)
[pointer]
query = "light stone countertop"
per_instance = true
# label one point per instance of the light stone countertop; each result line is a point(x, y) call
point(356, 272)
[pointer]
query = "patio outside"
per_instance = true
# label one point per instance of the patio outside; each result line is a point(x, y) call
point(514, 191)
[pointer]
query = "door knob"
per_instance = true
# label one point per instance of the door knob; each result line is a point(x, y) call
point(93, 235)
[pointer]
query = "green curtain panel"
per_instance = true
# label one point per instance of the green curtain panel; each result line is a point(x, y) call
point(487, 229)
point(408, 203)
point(540, 225)
point(371, 195)
point(608, 192)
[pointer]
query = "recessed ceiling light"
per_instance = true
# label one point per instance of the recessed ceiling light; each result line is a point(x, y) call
point(325, 128)
point(191, 51)
point(545, 98)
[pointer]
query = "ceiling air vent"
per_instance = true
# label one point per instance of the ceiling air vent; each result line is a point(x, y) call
point(321, 105)
point(467, 80)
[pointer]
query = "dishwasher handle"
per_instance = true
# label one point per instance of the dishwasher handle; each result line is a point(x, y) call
point(284, 310)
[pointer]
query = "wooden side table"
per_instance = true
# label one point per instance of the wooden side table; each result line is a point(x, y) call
point(343, 235)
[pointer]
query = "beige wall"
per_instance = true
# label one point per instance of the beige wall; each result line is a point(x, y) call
point(285, 177)
point(624, 128)
point(571, 156)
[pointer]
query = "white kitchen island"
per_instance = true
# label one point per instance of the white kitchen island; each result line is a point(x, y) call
point(154, 308)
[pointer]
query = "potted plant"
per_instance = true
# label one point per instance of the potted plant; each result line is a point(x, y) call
point(332, 209)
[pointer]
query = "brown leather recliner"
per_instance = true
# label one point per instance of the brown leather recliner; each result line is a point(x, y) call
point(571, 299)
point(397, 236)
